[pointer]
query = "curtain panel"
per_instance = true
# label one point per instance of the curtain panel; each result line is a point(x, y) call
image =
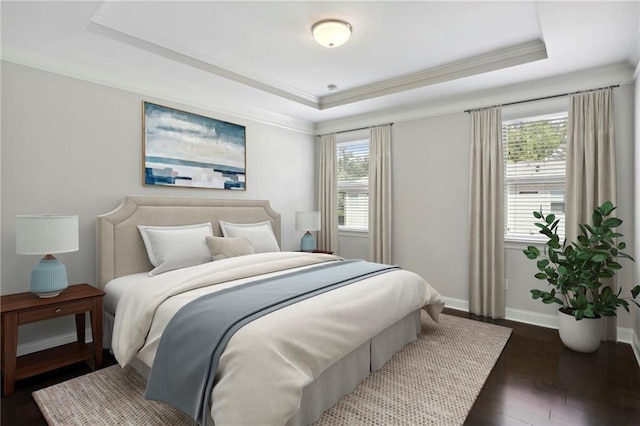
point(591, 167)
point(380, 194)
point(328, 193)
point(486, 215)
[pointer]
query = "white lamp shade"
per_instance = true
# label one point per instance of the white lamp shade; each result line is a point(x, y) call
point(46, 234)
point(331, 32)
point(307, 221)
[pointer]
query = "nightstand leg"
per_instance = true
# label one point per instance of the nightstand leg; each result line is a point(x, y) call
point(9, 351)
point(80, 327)
point(96, 330)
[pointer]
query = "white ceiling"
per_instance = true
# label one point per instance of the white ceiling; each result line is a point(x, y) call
point(260, 57)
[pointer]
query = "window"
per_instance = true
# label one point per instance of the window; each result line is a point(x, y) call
point(353, 185)
point(535, 163)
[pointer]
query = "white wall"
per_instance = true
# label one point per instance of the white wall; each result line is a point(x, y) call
point(73, 147)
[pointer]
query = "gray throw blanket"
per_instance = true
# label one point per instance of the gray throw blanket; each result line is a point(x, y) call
point(184, 368)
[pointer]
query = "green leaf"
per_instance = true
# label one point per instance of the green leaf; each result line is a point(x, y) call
point(583, 228)
point(626, 256)
point(550, 218)
point(596, 218)
point(635, 291)
point(583, 255)
point(622, 245)
point(599, 257)
point(612, 222)
point(541, 276)
point(607, 207)
point(582, 301)
point(542, 263)
point(614, 265)
point(537, 215)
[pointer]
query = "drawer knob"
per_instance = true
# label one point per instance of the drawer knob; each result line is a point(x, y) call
point(57, 311)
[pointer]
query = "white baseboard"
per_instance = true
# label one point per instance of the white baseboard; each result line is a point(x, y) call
point(457, 304)
point(533, 318)
point(40, 345)
point(625, 335)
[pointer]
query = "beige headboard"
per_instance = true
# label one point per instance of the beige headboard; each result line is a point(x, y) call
point(120, 249)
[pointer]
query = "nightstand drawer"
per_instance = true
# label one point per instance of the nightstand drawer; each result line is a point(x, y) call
point(53, 311)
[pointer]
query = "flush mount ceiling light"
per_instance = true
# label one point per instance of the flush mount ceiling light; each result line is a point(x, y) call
point(331, 32)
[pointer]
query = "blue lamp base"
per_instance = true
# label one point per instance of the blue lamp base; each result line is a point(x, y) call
point(48, 278)
point(308, 242)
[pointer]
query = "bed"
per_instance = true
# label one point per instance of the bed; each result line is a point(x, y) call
point(270, 372)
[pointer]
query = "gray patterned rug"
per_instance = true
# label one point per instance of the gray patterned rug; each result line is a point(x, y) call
point(433, 381)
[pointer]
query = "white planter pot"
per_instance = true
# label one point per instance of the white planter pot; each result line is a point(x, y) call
point(580, 336)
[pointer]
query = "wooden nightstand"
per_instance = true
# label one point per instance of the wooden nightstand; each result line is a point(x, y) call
point(24, 308)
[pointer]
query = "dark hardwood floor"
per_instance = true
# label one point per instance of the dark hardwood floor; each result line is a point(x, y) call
point(536, 381)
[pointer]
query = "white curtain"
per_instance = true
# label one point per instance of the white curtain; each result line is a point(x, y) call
point(486, 215)
point(380, 194)
point(328, 193)
point(591, 166)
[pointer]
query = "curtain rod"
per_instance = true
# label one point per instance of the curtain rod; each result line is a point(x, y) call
point(543, 98)
point(355, 130)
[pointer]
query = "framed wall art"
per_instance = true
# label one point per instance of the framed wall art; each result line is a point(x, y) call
point(189, 150)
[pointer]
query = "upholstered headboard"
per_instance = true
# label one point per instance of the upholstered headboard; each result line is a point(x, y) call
point(120, 249)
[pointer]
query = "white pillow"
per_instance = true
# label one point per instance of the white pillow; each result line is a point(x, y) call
point(174, 247)
point(260, 234)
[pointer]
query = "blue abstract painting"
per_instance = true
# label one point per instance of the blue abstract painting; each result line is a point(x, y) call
point(190, 150)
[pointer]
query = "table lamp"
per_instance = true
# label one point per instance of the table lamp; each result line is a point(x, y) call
point(44, 235)
point(308, 221)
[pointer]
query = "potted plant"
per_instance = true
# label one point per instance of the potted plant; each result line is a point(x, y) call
point(576, 271)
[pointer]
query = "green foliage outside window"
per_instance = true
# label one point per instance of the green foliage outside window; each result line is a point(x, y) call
point(536, 141)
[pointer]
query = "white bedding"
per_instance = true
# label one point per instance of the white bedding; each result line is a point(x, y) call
point(115, 289)
point(268, 362)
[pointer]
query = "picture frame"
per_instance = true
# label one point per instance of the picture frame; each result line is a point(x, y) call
point(189, 150)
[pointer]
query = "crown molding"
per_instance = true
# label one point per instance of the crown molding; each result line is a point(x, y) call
point(491, 61)
point(69, 65)
point(618, 73)
point(112, 31)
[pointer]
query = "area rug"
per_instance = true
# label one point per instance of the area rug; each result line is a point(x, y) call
point(432, 381)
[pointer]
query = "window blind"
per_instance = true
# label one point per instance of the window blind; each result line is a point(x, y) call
point(534, 151)
point(353, 184)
